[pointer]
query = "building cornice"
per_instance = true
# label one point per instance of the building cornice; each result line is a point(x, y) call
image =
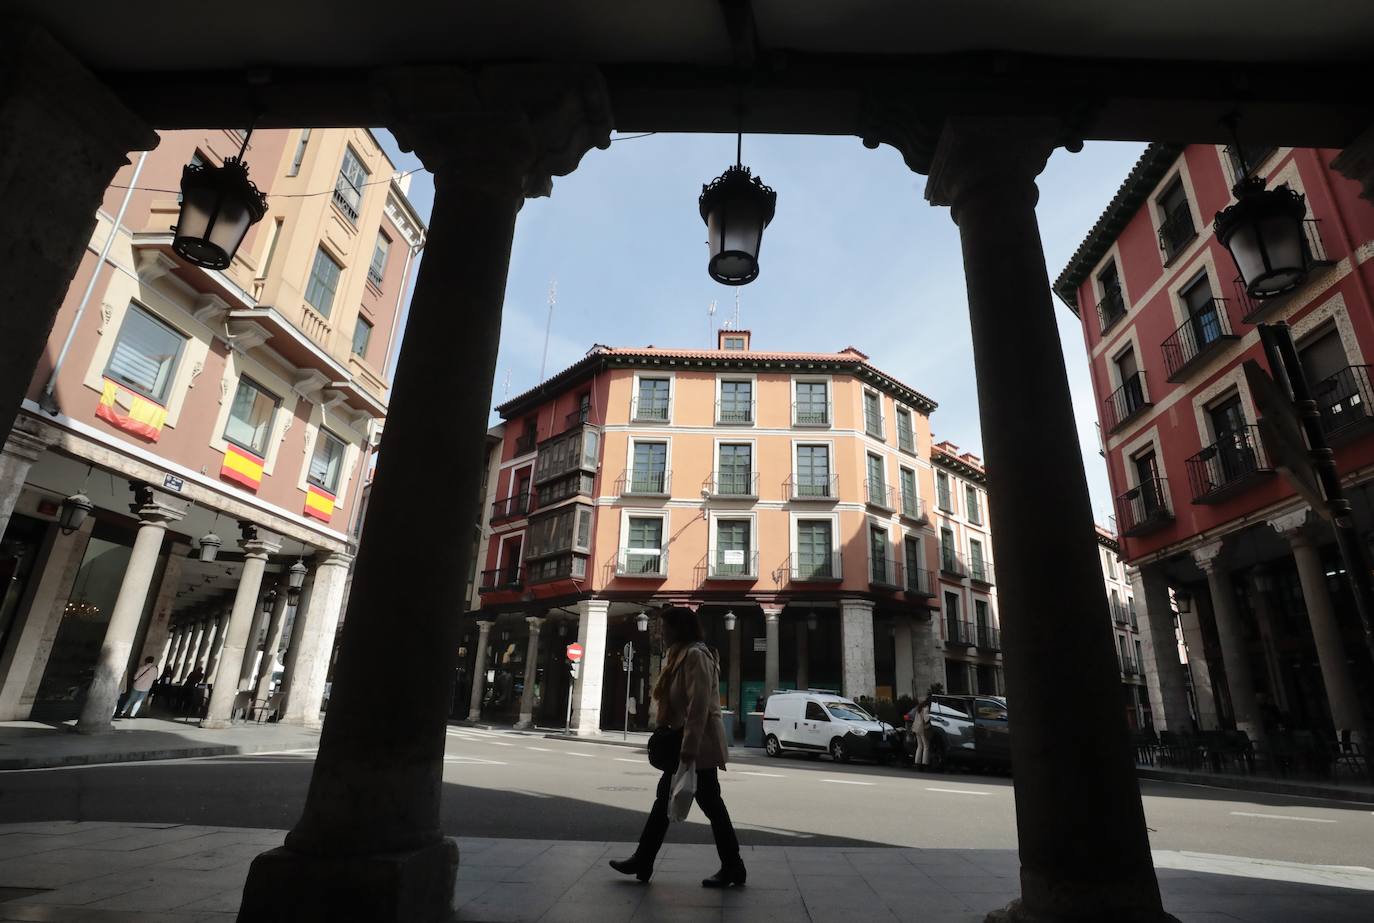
point(957, 465)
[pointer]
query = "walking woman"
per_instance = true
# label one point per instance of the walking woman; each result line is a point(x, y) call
point(687, 696)
point(920, 728)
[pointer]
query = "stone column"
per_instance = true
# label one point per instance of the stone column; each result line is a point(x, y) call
point(262, 688)
point(26, 442)
point(985, 170)
point(229, 679)
point(531, 672)
point(1235, 656)
point(1341, 692)
point(307, 662)
point(902, 655)
point(1261, 597)
point(774, 641)
point(804, 653)
point(194, 633)
point(1165, 680)
point(591, 634)
point(479, 670)
point(179, 650)
point(103, 694)
point(159, 625)
point(928, 650)
point(1204, 696)
point(248, 665)
point(856, 638)
point(204, 659)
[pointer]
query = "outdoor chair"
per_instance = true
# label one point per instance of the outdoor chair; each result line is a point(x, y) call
point(1349, 755)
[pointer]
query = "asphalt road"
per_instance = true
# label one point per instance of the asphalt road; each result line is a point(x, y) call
point(521, 785)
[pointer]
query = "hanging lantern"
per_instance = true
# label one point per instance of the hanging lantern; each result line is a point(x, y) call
point(295, 577)
point(812, 622)
point(1264, 232)
point(218, 206)
point(293, 595)
point(736, 207)
point(268, 599)
point(209, 547)
point(642, 621)
point(73, 513)
point(729, 620)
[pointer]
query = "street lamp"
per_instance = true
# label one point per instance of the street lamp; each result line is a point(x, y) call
point(1263, 230)
point(729, 620)
point(295, 575)
point(74, 511)
point(218, 205)
point(209, 547)
point(642, 621)
point(736, 207)
point(293, 595)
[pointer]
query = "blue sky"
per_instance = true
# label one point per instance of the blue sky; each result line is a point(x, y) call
point(854, 256)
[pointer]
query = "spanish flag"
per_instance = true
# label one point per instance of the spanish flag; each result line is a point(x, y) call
point(319, 503)
point(143, 418)
point(241, 467)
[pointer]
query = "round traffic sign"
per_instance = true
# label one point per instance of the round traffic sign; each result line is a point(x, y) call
point(574, 652)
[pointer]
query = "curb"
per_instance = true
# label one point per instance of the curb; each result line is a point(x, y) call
point(139, 756)
point(628, 744)
point(1265, 786)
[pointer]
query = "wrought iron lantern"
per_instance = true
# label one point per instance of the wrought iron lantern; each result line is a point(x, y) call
point(209, 546)
point(736, 207)
point(218, 206)
point(293, 595)
point(268, 600)
point(642, 621)
point(295, 577)
point(74, 511)
point(730, 620)
point(1264, 232)
point(812, 622)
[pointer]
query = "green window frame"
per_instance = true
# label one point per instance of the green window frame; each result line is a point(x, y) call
point(324, 282)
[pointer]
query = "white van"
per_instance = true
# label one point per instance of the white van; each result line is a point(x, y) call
point(819, 722)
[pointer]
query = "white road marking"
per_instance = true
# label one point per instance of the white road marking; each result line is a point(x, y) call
point(957, 791)
point(622, 759)
point(473, 761)
point(575, 753)
point(539, 749)
point(1307, 820)
point(847, 782)
point(766, 775)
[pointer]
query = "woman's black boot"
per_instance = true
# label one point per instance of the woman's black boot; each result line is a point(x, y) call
point(634, 866)
point(726, 877)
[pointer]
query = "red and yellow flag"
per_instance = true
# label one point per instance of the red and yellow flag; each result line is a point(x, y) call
point(241, 467)
point(319, 503)
point(143, 418)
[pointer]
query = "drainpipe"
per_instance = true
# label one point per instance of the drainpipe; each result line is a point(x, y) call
point(47, 401)
point(392, 351)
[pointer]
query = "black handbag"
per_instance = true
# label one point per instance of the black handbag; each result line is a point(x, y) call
point(665, 748)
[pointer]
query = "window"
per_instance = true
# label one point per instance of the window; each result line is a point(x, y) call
point(377, 268)
point(911, 503)
point(1130, 397)
point(942, 492)
point(327, 462)
point(584, 407)
point(953, 628)
point(559, 531)
point(1322, 358)
point(362, 334)
point(877, 481)
point(975, 508)
point(1203, 316)
point(250, 417)
point(651, 401)
point(949, 559)
point(644, 547)
point(1113, 304)
point(324, 281)
point(732, 549)
point(196, 161)
point(911, 548)
point(980, 613)
point(880, 568)
point(735, 476)
point(348, 189)
point(813, 471)
point(145, 353)
point(649, 469)
point(736, 343)
point(814, 712)
point(1175, 219)
point(873, 415)
point(812, 407)
point(299, 156)
point(736, 402)
point(1251, 154)
point(906, 436)
point(1111, 569)
point(977, 565)
point(583, 539)
point(562, 454)
point(815, 554)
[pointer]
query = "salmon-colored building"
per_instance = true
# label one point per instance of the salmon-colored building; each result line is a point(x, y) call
point(789, 497)
point(237, 407)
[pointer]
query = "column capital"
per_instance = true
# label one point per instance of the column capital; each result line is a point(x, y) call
point(772, 613)
point(334, 559)
point(28, 439)
point(998, 156)
point(484, 626)
point(1208, 556)
point(1296, 526)
point(156, 514)
point(500, 126)
point(536, 622)
point(864, 604)
point(259, 547)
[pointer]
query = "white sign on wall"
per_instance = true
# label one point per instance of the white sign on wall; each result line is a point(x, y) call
point(760, 644)
point(732, 556)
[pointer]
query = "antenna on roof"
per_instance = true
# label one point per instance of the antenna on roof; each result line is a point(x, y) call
point(711, 324)
point(506, 394)
point(548, 327)
point(736, 324)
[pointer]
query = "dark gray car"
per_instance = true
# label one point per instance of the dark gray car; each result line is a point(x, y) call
point(967, 730)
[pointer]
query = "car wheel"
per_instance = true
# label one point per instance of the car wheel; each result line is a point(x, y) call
point(838, 751)
point(935, 759)
point(772, 747)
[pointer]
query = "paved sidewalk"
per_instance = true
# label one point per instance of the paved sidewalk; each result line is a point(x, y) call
point(168, 873)
point(32, 745)
point(1346, 789)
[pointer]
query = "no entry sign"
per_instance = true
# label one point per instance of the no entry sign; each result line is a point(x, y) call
point(574, 652)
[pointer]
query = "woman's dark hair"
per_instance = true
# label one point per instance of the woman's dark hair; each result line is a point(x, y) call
point(680, 626)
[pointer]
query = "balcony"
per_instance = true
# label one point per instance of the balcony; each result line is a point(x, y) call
point(732, 484)
point(341, 201)
point(822, 487)
point(1200, 336)
point(980, 571)
point(1344, 401)
point(987, 638)
point(1126, 402)
point(1228, 466)
point(958, 634)
point(952, 565)
point(560, 566)
point(510, 508)
point(648, 564)
point(1176, 232)
point(912, 507)
point(645, 484)
point(811, 413)
point(576, 418)
point(878, 494)
point(728, 564)
point(884, 572)
point(1315, 251)
point(1144, 508)
point(500, 579)
point(1121, 615)
point(524, 443)
point(650, 411)
point(1111, 308)
point(919, 582)
point(734, 413)
point(374, 275)
point(795, 570)
point(1129, 668)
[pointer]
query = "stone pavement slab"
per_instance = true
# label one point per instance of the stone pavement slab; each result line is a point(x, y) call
point(170, 873)
point(32, 745)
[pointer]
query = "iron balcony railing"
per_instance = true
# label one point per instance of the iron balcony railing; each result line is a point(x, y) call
point(632, 562)
point(499, 578)
point(525, 442)
point(374, 275)
point(1314, 251)
point(732, 484)
point(1345, 400)
point(1120, 614)
point(1126, 401)
point(1111, 308)
point(795, 569)
point(654, 410)
point(576, 418)
point(734, 412)
point(958, 634)
point(1176, 231)
point(1206, 329)
point(952, 564)
point(884, 571)
point(345, 206)
point(811, 413)
point(912, 507)
point(1128, 666)
point(1145, 507)
point(728, 564)
point(510, 507)
point(812, 487)
point(980, 571)
point(878, 494)
point(645, 484)
point(987, 638)
point(1227, 465)
point(919, 582)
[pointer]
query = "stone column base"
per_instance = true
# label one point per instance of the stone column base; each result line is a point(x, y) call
point(525, 723)
point(285, 886)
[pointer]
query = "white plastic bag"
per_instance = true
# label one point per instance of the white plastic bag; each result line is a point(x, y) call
point(683, 791)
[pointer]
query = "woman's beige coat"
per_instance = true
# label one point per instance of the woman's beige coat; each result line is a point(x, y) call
point(693, 704)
